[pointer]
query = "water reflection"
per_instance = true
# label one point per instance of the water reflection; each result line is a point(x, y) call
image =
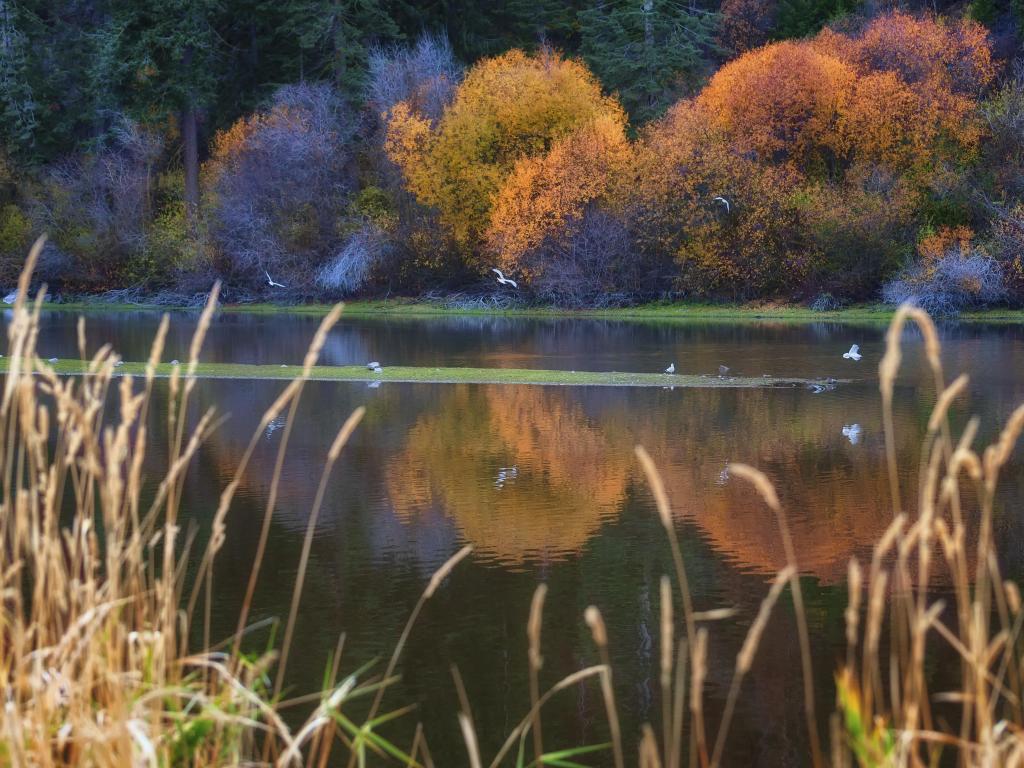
point(522, 471)
point(544, 483)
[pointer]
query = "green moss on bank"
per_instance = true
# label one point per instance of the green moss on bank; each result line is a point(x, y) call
point(682, 312)
point(410, 374)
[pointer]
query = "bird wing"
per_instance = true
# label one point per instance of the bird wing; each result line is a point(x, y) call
point(854, 349)
point(497, 272)
point(513, 283)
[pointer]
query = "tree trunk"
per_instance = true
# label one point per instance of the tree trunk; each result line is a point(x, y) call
point(190, 142)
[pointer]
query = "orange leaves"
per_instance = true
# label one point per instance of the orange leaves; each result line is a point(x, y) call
point(546, 196)
point(884, 122)
point(779, 102)
point(950, 55)
point(508, 108)
point(823, 147)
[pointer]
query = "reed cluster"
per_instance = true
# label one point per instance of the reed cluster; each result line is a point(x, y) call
point(104, 592)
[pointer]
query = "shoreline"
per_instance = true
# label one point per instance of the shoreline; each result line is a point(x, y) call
point(685, 312)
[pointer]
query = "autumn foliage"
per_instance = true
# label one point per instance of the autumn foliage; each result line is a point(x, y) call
point(508, 108)
point(820, 147)
point(803, 166)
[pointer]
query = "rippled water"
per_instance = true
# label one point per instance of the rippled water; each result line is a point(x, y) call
point(543, 482)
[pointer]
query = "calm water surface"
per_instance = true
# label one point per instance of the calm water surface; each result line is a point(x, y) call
point(543, 482)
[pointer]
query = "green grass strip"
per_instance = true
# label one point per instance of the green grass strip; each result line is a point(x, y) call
point(658, 312)
point(424, 375)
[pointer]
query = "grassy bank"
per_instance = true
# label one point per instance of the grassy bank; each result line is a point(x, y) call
point(423, 375)
point(679, 312)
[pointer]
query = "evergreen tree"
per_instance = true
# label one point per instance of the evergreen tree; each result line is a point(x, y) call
point(16, 104)
point(647, 50)
point(51, 98)
point(169, 55)
point(800, 18)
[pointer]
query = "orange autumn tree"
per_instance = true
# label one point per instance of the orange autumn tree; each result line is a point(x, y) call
point(732, 224)
point(823, 148)
point(547, 196)
point(779, 103)
point(919, 83)
point(509, 107)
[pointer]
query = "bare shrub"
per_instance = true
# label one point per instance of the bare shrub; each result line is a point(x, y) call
point(1004, 149)
point(423, 75)
point(351, 270)
point(958, 280)
point(280, 181)
point(97, 207)
point(1008, 246)
point(589, 264)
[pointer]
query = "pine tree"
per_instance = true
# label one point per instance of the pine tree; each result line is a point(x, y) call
point(168, 52)
point(16, 104)
point(647, 50)
point(800, 18)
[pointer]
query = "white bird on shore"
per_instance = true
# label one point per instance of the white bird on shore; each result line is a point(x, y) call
point(270, 281)
point(722, 370)
point(502, 279)
point(378, 369)
point(671, 368)
point(723, 201)
point(852, 433)
point(174, 362)
point(52, 360)
point(853, 354)
point(371, 366)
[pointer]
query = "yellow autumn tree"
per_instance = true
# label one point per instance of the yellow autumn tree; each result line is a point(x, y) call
point(509, 107)
point(546, 196)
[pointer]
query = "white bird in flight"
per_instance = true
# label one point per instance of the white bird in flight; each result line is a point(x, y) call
point(270, 281)
point(723, 201)
point(852, 433)
point(853, 354)
point(671, 368)
point(502, 279)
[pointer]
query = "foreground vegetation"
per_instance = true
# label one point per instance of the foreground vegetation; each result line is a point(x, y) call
point(101, 665)
point(817, 151)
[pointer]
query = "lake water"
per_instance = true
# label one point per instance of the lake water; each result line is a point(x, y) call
point(543, 482)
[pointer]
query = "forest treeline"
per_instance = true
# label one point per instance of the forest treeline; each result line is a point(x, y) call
point(599, 153)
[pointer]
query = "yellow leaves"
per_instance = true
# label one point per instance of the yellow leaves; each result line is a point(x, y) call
point(508, 108)
point(545, 196)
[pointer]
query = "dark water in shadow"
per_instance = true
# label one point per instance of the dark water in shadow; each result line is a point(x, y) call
point(543, 482)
